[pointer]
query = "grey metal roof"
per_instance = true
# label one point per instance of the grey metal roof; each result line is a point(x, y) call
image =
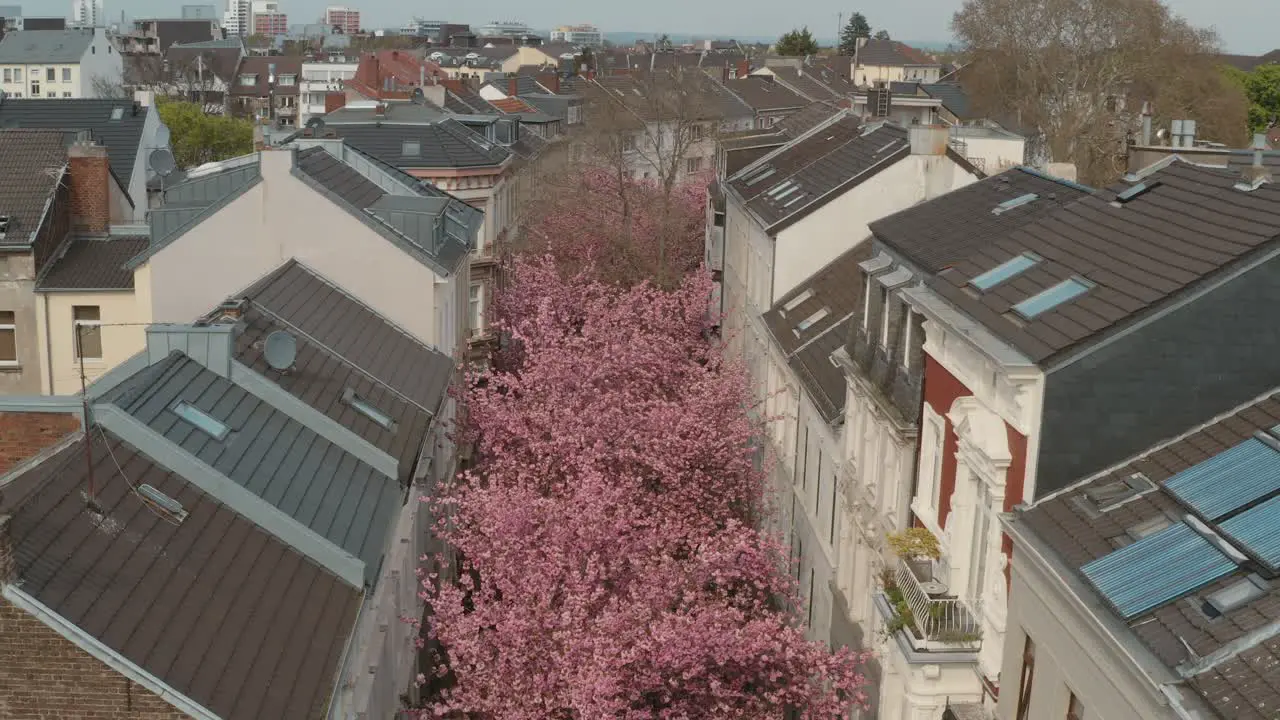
point(344, 344)
point(1242, 684)
point(834, 292)
point(839, 154)
point(421, 112)
point(412, 221)
point(31, 166)
point(122, 137)
point(93, 264)
point(202, 192)
point(45, 46)
point(215, 607)
point(443, 144)
point(1138, 254)
point(936, 234)
point(764, 94)
point(270, 454)
point(953, 98)
point(805, 119)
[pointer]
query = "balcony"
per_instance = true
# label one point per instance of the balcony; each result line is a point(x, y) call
point(903, 387)
point(929, 617)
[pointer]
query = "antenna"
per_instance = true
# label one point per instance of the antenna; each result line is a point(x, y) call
point(280, 350)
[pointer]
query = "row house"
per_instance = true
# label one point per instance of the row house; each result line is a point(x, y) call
point(1149, 589)
point(154, 36)
point(323, 83)
point(233, 527)
point(200, 72)
point(887, 61)
point(77, 63)
point(885, 373)
point(266, 90)
point(771, 101)
point(1041, 347)
point(815, 82)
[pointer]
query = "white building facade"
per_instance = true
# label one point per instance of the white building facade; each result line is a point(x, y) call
point(585, 35)
point(88, 13)
point(78, 63)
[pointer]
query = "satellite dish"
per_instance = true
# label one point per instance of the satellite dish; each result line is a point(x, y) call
point(280, 349)
point(315, 122)
point(162, 162)
point(162, 135)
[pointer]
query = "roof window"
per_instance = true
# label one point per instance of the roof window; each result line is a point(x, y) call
point(366, 409)
point(1004, 271)
point(795, 302)
point(117, 113)
point(411, 148)
point(781, 189)
point(1137, 190)
point(1112, 495)
point(1046, 300)
point(203, 421)
point(1234, 596)
point(759, 174)
point(1019, 201)
point(810, 321)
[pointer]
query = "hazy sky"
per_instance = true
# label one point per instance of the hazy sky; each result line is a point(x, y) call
point(1246, 26)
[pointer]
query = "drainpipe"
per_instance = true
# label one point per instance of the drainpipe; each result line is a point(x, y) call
point(48, 338)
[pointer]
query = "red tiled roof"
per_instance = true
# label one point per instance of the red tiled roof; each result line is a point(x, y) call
point(511, 105)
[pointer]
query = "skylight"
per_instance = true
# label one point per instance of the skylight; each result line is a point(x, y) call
point(809, 322)
point(411, 148)
point(797, 300)
point(757, 178)
point(1004, 271)
point(117, 113)
point(1019, 201)
point(1065, 291)
point(363, 407)
point(1235, 595)
point(794, 200)
point(203, 421)
point(1133, 192)
point(788, 191)
point(780, 188)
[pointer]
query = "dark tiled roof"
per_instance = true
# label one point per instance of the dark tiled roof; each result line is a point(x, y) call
point(637, 92)
point(815, 82)
point(45, 46)
point(419, 112)
point(764, 94)
point(1242, 687)
point(215, 607)
point(809, 351)
point(445, 144)
point(93, 264)
point(344, 344)
point(938, 233)
point(953, 98)
point(805, 119)
point(840, 154)
point(187, 61)
point(31, 163)
point(171, 32)
point(891, 53)
point(464, 100)
point(277, 458)
point(1190, 224)
point(122, 137)
point(260, 66)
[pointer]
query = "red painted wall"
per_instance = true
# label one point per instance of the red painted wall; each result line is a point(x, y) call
point(941, 389)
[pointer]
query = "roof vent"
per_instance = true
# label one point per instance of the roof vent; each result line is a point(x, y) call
point(1112, 495)
point(1136, 191)
point(1019, 201)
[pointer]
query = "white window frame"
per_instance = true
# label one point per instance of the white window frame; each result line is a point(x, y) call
point(76, 347)
point(907, 321)
point(886, 298)
point(13, 328)
point(66, 74)
point(933, 436)
point(866, 301)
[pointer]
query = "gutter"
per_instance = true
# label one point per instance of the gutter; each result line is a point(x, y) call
point(98, 650)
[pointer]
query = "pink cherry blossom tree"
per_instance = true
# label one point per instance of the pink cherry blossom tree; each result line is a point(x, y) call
point(610, 561)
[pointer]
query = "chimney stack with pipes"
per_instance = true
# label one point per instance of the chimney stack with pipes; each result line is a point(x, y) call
point(1257, 173)
point(90, 186)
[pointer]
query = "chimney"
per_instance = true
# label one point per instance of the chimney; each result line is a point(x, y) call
point(90, 186)
point(1146, 124)
point(513, 86)
point(8, 565)
point(1188, 133)
point(929, 139)
point(1257, 173)
point(380, 110)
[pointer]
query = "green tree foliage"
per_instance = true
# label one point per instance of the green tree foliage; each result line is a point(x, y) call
point(198, 138)
point(797, 43)
point(882, 35)
point(1262, 88)
point(857, 27)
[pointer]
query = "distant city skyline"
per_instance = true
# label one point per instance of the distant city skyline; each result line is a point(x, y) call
point(1245, 26)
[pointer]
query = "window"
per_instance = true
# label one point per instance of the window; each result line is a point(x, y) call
point(66, 75)
point(884, 317)
point(35, 88)
point(1028, 676)
point(51, 94)
point(17, 74)
point(8, 339)
point(1075, 708)
point(695, 131)
point(288, 80)
point(694, 164)
point(1004, 271)
point(934, 432)
point(66, 94)
point(1063, 292)
point(476, 304)
point(366, 409)
point(51, 74)
point(248, 80)
point(866, 302)
point(8, 75)
point(87, 321)
point(203, 421)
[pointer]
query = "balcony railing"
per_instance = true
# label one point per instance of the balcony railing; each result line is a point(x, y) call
point(933, 620)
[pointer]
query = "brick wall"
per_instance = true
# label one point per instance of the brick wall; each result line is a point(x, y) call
point(23, 435)
point(43, 675)
point(90, 188)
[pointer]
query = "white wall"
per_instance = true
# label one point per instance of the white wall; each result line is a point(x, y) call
point(101, 59)
point(263, 228)
point(841, 224)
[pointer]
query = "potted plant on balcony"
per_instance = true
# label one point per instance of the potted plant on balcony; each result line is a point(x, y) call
point(918, 548)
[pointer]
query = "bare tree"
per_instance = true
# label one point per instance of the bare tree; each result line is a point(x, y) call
point(1075, 73)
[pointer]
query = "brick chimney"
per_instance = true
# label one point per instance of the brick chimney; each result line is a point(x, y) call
point(513, 86)
point(90, 186)
point(8, 566)
point(550, 81)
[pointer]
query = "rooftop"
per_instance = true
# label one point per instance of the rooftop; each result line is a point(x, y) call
point(32, 163)
point(891, 53)
point(443, 144)
point(811, 322)
point(93, 264)
point(799, 177)
point(937, 234)
point(45, 46)
point(1126, 539)
point(264, 69)
point(763, 94)
point(116, 123)
point(1095, 266)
